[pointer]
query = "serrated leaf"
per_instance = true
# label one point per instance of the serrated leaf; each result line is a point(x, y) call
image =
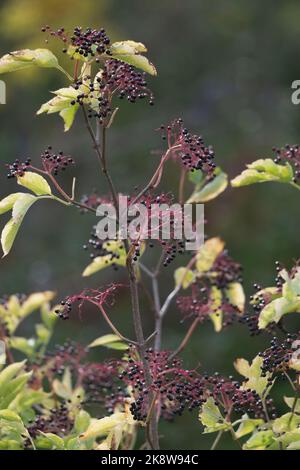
point(208, 253)
point(211, 418)
point(210, 191)
point(235, 295)
point(25, 58)
point(35, 182)
point(253, 373)
point(184, 277)
point(62, 104)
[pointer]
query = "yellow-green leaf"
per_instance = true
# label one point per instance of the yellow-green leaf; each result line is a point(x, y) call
point(216, 314)
point(211, 190)
point(35, 182)
point(235, 295)
point(208, 253)
point(25, 58)
point(109, 341)
point(7, 203)
point(184, 277)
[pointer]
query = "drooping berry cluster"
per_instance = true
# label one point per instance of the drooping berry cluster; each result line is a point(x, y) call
point(291, 154)
point(190, 149)
point(58, 422)
point(87, 42)
point(282, 355)
point(229, 394)
point(175, 389)
point(93, 296)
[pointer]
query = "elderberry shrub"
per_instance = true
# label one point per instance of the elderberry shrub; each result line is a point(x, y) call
point(59, 398)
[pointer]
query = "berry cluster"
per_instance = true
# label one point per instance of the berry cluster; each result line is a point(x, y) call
point(117, 79)
point(200, 303)
point(112, 250)
point(55, 162)
point(58, 422)
point(190, 149)
point(232, 398)
point(263, 297)
point(93, 296)
point(17, 168)
point(165, 223)
point(51, 163)
point(281, 355)
point(99, 380)
point(291, 154)
point(87, 42)
point(174, 388)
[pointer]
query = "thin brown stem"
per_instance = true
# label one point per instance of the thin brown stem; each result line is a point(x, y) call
point(186, 339)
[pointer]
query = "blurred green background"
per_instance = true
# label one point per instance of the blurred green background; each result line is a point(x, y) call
point(227, 69)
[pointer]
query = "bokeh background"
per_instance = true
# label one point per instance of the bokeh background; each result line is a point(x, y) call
point(227, 69)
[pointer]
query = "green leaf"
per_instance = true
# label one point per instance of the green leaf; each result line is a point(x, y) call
point(247, 426)
point(109, 341)
point(61, 104)
point(211, 418)
point(25, 58)
point(260, 441)
point(24, 345)
point(101, 427)
point(7, 203)
point(35, 182)
point(235, 295)
point(286, 422)
point(56, 442)
point(262, 171)
point(11, 229)
point(208, 253)
point(184, 277)
point(82, 422)
point(253, 374)
point(128, 51)
point(211, 190)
